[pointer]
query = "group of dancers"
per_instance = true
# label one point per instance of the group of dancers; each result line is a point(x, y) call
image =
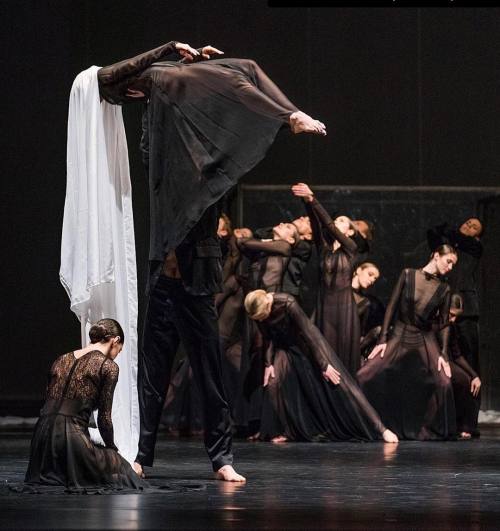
point(232, 298)
point(349, 371)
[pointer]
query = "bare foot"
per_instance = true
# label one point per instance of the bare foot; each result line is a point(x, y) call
point(138, 470)
point(228, 473)
point(389, 437)
point(300, 122)
point(254, 437)
point(465, 435)
point(279, 439)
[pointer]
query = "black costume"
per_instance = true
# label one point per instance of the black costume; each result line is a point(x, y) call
point(62, 452)
point(205, 126)
point(413, 398)
point(467, 406)
point(299, 258)
point(336, 312)
point(306, 406)
point(464, 280)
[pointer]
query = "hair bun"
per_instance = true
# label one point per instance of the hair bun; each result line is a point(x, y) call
point(98, 333)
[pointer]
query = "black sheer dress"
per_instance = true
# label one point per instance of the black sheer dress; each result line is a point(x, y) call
point(336, 311)
point(307, 407)
point(413, 398)
point(62, 452)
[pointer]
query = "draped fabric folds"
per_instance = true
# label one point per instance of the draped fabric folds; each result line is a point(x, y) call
point(98, 264)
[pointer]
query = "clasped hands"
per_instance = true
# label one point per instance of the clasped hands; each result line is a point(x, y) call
point(188, 54)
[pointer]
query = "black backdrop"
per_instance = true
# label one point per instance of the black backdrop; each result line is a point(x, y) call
point(410, 97)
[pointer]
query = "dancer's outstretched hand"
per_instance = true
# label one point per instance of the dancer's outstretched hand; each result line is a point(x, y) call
point(303, 190)
point(443, 364)
point(208, 51)
point(268, 373)
point(331, 374)
point(187, 52)
point(378, 349)
point(475, 386)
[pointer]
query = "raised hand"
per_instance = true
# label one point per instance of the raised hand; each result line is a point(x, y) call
point(443, 364)
point(188, 52)
point(475, 386)
point(302, 190)
point(208, 51)
point(332, 375)
point(378, 349)
point(268, 373)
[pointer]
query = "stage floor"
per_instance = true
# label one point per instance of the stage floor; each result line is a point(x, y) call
point(454, 485)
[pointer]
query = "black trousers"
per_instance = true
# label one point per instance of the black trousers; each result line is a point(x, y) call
point(174, 315)
point(468, 340)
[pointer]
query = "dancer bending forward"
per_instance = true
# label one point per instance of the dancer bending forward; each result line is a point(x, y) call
point(315, 397)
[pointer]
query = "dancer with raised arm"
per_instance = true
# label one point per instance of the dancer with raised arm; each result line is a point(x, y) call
point(206, 125)
point(336, 312)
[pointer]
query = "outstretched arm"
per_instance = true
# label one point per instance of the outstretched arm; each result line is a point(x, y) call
point(325, 220)
point(251, 246)
point(109, 374)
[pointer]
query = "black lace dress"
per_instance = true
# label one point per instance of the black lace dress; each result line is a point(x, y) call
point(336, 311)
point(62, 452)
point(306, 407)
point(413, 398)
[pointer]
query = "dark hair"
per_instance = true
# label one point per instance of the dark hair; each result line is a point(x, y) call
point(104, 330)
point(457, 303)
point(444, 249)
point(227, 223)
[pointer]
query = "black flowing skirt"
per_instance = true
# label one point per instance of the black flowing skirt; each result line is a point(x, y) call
point(63, 454)
point(412, 397)
point(467, 405)
point(300, 404)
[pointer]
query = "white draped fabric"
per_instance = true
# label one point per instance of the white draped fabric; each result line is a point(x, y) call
point(98, 265)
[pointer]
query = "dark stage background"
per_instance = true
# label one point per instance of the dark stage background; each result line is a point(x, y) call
point(410, 97)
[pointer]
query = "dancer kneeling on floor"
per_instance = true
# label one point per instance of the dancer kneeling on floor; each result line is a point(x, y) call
point(62, 452)
point(313, 395)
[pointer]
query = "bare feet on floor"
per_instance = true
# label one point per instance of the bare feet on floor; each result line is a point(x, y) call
point(300, 122)
point(279, 439)
point(254, 437)
point(138, 470)
point(228, 473)
point(389, 437)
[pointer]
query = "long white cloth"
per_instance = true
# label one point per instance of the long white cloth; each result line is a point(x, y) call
point(98, 264)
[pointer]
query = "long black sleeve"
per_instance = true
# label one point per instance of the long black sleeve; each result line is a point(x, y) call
point(109, 374)
point(115, 79)
point(327, 222)
point(444, 319)
point(251, 246)
point(392, 307)
point(315, 342)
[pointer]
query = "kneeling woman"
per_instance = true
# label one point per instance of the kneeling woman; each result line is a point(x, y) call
point(314, 395)
point(62, 452)
point(407, 378)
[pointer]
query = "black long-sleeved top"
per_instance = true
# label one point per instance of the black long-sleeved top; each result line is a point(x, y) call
point(269, 260)
point(419, 299)
point(300, 255)
point(464, 276)
point(287, 326)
